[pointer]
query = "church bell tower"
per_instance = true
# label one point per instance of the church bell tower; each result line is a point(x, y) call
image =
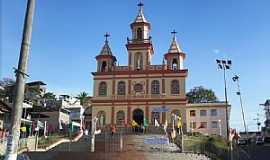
point(140, 48)
point(175, 56)
point(105, 60)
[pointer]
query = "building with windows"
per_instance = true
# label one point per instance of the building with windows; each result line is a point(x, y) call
point(207, 118)
point(132, 92)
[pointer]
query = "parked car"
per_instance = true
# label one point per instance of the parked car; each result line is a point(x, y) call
point(259, 140)
point(242, 141)
point(267, 139)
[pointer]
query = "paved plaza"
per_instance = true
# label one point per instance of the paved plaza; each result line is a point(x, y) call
point(134, 148)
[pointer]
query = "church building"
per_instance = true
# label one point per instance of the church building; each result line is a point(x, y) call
point(125, 93)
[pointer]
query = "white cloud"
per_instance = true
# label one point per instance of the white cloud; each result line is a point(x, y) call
point(216, 51)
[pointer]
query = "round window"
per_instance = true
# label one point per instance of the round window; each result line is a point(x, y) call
point(138, 87)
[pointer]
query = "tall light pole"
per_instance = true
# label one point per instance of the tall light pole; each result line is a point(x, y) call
point(13, 138)
point(258, 122)
point(236, 79)
point(225, 65)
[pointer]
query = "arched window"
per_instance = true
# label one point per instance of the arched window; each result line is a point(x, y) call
point(155, 87)
point(121, 88)
point(102, 90)
point(103, 66)
point(138, 87)
point(120, 118)
point(175, 87)
point(155, 115)
point(101, 119)
point(138, 61)
point(174, 64)
point(139, 34)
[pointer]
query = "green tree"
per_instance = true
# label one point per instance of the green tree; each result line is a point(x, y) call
point(4, 83)
point(200, 95)
point(82, 97)
point(49, 95)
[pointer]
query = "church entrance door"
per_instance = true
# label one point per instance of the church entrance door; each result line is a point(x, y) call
point(138, 116)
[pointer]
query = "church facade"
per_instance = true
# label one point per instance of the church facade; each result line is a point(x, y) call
point(125, 93)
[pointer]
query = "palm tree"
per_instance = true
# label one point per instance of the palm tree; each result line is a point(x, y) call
point(49, 95)
point(82, 97)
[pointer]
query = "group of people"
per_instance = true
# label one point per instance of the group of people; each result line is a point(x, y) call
point(138, 127)
point(141, 128)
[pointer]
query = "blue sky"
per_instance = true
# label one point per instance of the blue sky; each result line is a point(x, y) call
point(67, 35)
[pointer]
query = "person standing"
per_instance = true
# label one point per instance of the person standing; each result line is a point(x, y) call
point(113, 129)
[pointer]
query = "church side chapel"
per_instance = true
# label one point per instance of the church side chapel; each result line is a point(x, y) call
point(125, 93)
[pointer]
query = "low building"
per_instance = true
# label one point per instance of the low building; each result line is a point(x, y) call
point(207, 118)
point(73, 105)
point(33, 92)
point(5, 113)
point(56, 119)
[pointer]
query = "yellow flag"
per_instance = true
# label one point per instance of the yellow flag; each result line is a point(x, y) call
point(179, 124)
point(23, 129)
point(134, 123)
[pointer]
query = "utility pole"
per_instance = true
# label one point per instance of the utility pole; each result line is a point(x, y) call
point(13, 138)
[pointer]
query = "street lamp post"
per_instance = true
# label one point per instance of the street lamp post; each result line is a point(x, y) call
point(258, 122)
point(219, 122)
point(225, 65)
point(94, 123)
point(236, 79)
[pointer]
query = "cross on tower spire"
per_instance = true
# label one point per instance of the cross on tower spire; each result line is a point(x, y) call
point(140, 4)
point(106, 36)
point(173, 33)
point(174, 48)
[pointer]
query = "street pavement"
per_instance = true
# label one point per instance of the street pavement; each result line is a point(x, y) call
point(258, 152)
point(108, 148)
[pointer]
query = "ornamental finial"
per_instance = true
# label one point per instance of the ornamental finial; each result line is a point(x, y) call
point(106, 36)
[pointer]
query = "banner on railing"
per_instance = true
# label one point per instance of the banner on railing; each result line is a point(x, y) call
point(161, 109)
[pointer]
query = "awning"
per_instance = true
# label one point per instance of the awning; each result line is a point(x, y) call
point(23, 120)
point(76, 124)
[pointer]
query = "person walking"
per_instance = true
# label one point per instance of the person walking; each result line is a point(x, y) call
point(113, 129)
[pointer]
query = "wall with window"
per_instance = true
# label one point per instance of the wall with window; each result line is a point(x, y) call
point(133, 56)
point(97, 88)
point(138, 86)
point(102, 109)
point(145, 32)
point(171, 92)
point(121, 87)
point(207, 118)
point(180, 109)
point(119, 109)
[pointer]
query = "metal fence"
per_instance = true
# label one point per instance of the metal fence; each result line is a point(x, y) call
point(24, 144)
point(216, 153)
